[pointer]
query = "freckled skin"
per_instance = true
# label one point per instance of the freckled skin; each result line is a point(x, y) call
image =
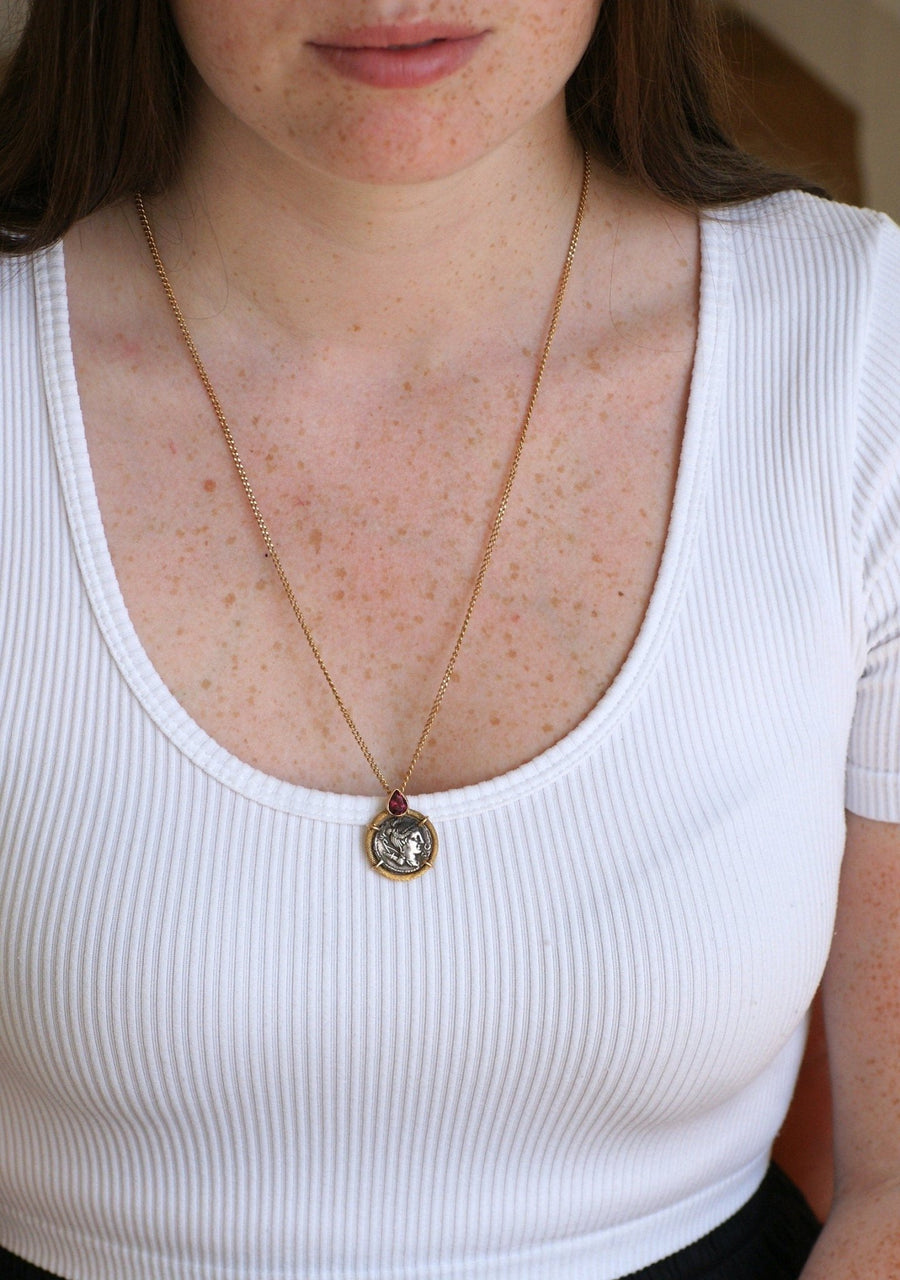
point(260, 74)
point(375, 370)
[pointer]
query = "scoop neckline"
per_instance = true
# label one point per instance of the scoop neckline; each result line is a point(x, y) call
point(200, 748)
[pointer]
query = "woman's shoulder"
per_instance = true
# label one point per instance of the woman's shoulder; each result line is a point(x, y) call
point(807, 233)
point(800, 251)
point(799, 215)
point(33, 328)
point(20, 277)
point(32, 297)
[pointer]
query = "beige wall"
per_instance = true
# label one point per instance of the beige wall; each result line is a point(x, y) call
point(10, 20)
point(854, 46)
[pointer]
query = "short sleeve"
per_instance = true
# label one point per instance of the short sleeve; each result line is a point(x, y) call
point(873, 764)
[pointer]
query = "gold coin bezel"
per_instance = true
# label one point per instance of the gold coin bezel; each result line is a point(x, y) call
point(380, 867)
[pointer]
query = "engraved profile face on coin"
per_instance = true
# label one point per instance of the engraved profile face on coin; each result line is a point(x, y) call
point(401, 846)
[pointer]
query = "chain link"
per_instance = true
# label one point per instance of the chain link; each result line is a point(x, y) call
point(264, 528)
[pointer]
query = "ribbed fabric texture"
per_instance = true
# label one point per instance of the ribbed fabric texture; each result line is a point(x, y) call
point(229, 1050)
point(769, 1238)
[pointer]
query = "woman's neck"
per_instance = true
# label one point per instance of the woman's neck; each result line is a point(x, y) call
point(319, 259)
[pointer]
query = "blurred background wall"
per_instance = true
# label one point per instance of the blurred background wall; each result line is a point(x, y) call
point(852, 49)
point(10, 21)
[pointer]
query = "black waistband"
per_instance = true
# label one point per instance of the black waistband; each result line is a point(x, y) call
point(769, 1238)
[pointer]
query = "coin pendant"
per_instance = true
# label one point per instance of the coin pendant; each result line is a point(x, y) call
point(402, 845)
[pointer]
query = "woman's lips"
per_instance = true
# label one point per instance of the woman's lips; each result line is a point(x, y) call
point(399, 57)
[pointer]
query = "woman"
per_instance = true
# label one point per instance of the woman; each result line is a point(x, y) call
point(562, 1047)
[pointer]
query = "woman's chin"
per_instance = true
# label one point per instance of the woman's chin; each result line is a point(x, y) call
point(381, 151)
point(402, 158)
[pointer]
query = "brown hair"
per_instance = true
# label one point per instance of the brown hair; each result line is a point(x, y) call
point(94, 106)
point(648, 97)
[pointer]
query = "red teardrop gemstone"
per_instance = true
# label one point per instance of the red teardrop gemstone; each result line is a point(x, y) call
point(397, 804)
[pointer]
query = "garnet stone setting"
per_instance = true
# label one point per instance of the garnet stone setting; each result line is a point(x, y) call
point(398, 805)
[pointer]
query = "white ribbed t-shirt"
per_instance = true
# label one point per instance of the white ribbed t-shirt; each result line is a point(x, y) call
point(229, 1050)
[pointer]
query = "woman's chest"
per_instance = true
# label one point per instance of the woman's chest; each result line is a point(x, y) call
point(380, 505)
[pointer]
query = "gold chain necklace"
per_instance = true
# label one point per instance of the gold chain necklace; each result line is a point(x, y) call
point(400, 842)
